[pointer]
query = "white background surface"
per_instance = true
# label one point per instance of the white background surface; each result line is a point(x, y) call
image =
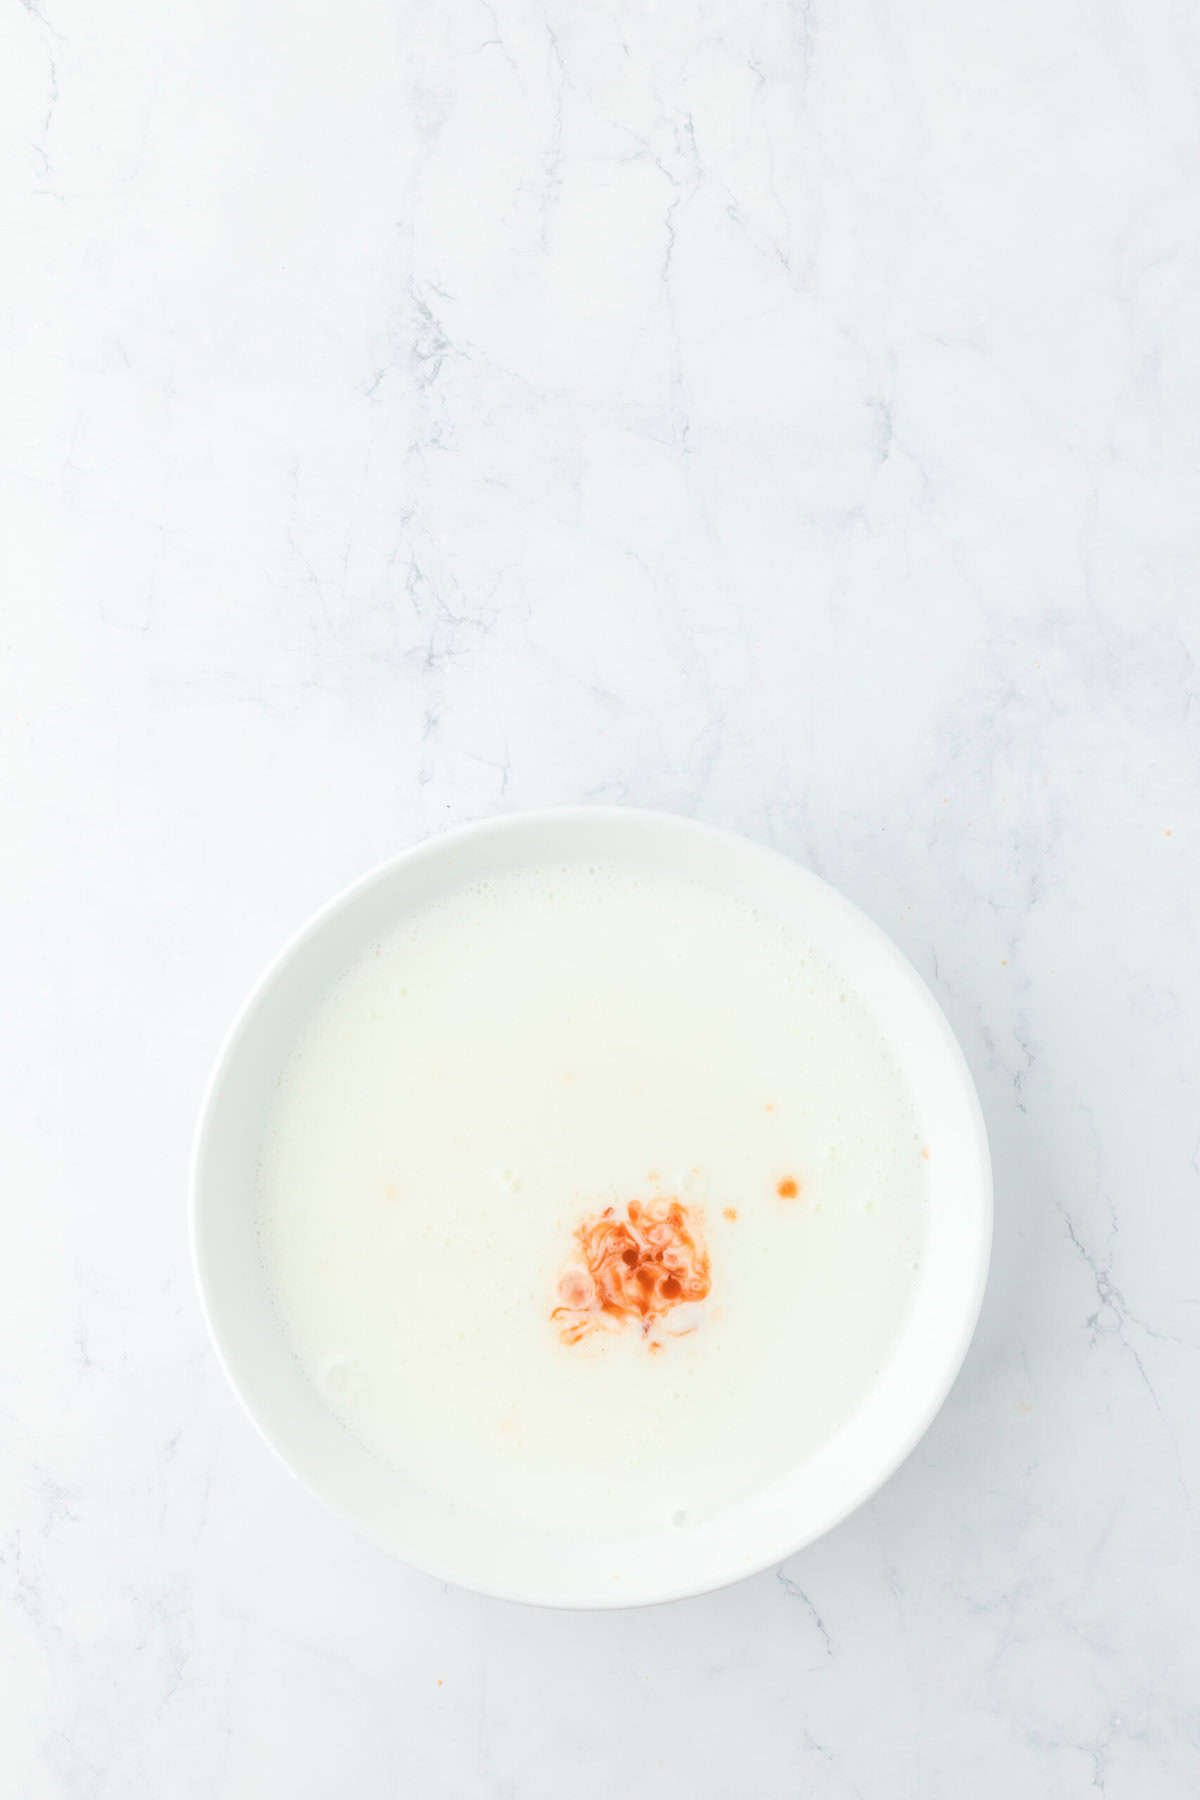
point(781, 414)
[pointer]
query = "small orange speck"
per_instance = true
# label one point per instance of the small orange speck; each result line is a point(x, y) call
point(925, 1152)
point(730, 1212)
point(770, 1106)
point(391, 1190)
point(1168, 834)
point(1004, 962)
point(788, 1188)
point(440, 1682)
point(654, 1175)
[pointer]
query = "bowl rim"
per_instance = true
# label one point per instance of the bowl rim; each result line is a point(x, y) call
point(650, 818)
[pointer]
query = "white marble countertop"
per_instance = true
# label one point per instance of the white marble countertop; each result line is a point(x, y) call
point(784, 414)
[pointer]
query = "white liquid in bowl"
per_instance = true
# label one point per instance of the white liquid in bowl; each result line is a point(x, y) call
point(511, 1060)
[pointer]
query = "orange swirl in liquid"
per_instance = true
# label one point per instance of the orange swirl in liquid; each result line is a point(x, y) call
point(637, 1268)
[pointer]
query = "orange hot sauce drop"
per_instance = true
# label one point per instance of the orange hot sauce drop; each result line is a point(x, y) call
point(637, 1268)
point(788, 1188)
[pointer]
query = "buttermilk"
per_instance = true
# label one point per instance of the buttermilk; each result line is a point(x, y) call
point(593, 1196)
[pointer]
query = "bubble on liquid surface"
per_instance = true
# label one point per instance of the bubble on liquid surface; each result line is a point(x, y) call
point(342, 1376)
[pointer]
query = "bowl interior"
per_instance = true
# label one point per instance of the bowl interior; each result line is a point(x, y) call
point(461, 1541)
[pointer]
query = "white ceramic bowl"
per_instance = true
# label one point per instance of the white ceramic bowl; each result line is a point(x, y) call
point(462, 1544)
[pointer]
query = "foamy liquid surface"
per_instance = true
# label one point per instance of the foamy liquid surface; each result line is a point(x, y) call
point(505, 1064)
